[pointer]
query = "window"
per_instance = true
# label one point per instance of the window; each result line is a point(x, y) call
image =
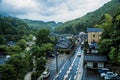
point(93, 35)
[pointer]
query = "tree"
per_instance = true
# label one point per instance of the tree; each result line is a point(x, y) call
point(109, 45)
point(86, 46)
point(38, 51)
point(20, 66)
point(3, 49)
point(14, 50)
point(106, 26)
point(114, 55)
point(40, 65)
point(7, 72)
point(22, 44)
point(104, 46)
point(2, 39)
point(42, 36)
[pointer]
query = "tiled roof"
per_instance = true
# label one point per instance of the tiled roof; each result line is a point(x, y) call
point(95, 58)
point(94, 30)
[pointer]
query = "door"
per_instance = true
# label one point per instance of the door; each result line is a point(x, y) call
point(95, 65)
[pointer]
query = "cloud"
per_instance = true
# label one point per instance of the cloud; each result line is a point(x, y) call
point(50, 10)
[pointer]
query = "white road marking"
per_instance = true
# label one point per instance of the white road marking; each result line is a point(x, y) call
point(75, 77)
point(70, 77)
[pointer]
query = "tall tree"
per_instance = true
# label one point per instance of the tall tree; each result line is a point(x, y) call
point(22, 44)
point(20, 65)
point(42, 36)
point(7, 72)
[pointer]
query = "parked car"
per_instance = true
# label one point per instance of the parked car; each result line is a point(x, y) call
point(109, 75)
point(103, 71)
point(46, 74)
point(116, 78)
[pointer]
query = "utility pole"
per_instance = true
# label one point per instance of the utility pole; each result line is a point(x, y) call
point(56, 61)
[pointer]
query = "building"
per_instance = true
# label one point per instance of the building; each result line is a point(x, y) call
point(95, 61)
point(92, 60)
point(94, 34)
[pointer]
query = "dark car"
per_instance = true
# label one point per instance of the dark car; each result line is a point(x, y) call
point(102, 70)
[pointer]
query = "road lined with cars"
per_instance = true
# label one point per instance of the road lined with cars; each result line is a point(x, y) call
point(70, 69)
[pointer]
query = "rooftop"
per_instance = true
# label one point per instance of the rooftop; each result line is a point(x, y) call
point(94, 30)
point(95, 58)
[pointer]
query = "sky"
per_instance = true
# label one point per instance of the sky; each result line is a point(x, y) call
point(50, 10)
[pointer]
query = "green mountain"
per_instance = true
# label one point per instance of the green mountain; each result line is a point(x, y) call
point(40, 24)
point(12, 28)
point(90, 19)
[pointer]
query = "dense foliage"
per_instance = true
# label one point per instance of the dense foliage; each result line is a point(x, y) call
point(110, 39)
point(90, 19)
point(12, 29)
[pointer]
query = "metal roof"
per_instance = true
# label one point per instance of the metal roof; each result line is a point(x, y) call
point(94, 30)
point(95, 58)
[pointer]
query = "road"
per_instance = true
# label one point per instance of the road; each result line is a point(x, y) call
point(51, 65)
point(70, 69)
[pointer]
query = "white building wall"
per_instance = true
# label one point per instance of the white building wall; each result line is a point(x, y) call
point(90, 64)
point(100, 65)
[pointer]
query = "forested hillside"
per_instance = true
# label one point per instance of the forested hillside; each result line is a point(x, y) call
point(12, 29)
point(40, 24)
point(90, 19)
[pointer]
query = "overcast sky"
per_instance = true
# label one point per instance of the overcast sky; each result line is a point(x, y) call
point(50, 10)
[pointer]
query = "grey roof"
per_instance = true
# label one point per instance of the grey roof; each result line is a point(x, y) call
point(94, 30)
point(95, 58)
point(11, 43)
point(63, 43)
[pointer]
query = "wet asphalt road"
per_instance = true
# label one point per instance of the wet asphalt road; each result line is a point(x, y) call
point(70, 68)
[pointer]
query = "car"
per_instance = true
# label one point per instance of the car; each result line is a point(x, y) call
point(109, 75)
point(116, 78)
point(103, 71)
point(46, 74)
point(79, 55)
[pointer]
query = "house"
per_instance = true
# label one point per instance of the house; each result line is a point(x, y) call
point(11, 43)
point(30, 43)
point(94, 61)
point(94, 35)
